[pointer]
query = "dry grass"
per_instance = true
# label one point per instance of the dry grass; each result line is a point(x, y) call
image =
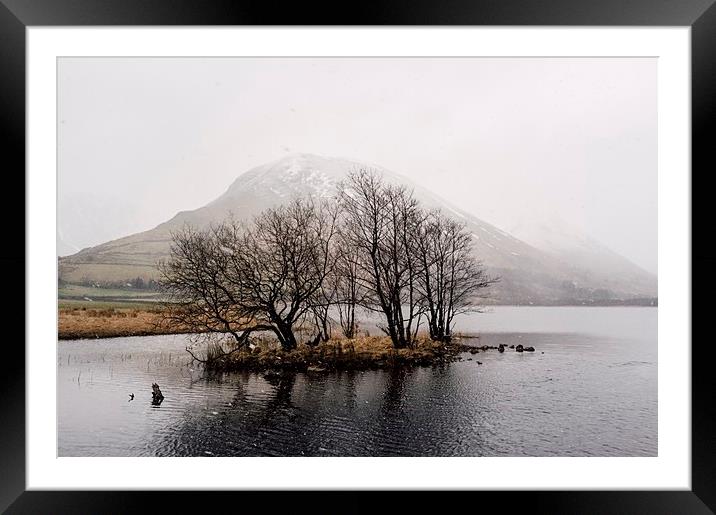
point(360, 353)
point(107, 322)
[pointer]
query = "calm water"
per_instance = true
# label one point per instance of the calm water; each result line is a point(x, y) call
point(590, 389)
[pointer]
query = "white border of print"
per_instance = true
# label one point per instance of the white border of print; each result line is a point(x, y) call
point(671, 469)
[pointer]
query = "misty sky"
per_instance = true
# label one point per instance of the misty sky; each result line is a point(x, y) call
point(517, 142)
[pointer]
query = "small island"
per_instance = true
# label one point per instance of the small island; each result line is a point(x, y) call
point(363, 353)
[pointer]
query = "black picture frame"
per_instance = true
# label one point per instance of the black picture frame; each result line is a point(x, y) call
point(16, 15)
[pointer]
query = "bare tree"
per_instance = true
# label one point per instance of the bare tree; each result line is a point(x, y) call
point(198, 296)
point(266, 277)
point(320, 314)
point(349, 294)
point(377, 223)
point(451, 278)
point(325, 296)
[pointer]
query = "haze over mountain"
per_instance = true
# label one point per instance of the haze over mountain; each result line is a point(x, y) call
point(79, 226)
point(570, 269)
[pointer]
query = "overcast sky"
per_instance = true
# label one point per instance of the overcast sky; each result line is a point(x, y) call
point(510, 140)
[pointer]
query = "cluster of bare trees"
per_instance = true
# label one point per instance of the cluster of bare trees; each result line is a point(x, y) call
point(315, 264)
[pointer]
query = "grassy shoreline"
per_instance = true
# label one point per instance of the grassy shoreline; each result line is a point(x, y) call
point(109, 320)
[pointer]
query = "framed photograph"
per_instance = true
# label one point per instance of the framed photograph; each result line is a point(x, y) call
point(438, 249)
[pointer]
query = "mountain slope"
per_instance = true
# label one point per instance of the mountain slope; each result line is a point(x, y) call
point(565, 242)
point(528, 275)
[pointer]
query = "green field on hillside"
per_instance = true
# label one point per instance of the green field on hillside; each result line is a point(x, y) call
point(107, 304)
point(86, 296)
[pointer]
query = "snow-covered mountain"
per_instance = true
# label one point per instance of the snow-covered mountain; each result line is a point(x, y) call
point(528, 274)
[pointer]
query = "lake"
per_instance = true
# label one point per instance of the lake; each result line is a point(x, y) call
point(590, 389)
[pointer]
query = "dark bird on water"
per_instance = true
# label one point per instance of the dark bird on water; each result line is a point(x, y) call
point(131, 397)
